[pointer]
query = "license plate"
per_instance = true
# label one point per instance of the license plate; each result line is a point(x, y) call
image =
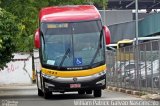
point(75, 85)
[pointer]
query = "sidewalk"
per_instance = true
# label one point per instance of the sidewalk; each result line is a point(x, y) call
point(18, 90)
point(141, 94)
point(18, 87)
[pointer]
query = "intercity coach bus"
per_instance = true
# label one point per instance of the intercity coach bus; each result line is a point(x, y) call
point(70, 50)
point(132, 42)
point(126, 50)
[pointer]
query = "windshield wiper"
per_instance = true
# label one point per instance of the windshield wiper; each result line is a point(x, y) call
point(64, 57)
point(98, 48)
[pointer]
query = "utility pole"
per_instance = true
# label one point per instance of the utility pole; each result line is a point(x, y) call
point(136, 5)
point(104, 13)
point(136, 50)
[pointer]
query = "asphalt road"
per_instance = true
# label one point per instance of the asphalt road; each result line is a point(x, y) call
point(29, 98)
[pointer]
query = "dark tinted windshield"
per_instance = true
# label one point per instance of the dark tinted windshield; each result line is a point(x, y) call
point(71, 44)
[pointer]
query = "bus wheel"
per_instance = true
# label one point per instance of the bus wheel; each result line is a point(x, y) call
point(81, 92)
point(97, 93)
point(88, 91)
point(40, 93)
point(47, 94)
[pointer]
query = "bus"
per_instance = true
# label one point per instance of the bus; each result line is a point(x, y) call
point(69, 50)
point(124, 50)
point(125, 46)
point(130, 42)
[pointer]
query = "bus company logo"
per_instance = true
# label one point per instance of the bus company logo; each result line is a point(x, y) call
point(75, 79)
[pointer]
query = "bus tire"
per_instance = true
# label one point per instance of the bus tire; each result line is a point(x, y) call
point(40, 93)
point(81, 92)
point(98, 93)
point(47, 94)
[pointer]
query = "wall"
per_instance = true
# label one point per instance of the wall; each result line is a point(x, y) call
point(18, 71)
point(122, 25)
point(150, 25)
point(116, 16)
point(122, 31)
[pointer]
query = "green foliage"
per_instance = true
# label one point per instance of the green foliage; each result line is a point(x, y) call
point(0, 44)
point(66, 2)
point(8, 29)
point(26, 14)
point(101, 4)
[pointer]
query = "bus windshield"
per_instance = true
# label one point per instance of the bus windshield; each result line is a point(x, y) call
point(72, 44)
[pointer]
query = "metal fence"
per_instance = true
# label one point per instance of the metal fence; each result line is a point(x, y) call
point(135, 67)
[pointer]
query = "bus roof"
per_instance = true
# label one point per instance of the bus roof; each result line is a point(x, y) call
point(139, 39)
point(125, 41)
point(69, 13)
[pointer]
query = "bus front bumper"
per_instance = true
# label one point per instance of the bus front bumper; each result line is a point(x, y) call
point(76, 83)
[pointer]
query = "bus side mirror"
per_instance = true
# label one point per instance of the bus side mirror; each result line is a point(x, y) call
point(107, 35)
point(37, 39)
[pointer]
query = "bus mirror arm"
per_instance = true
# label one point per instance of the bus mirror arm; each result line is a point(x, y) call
point(107, 35)
point(37, 39)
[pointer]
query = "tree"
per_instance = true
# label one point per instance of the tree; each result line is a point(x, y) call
point(26, 14)
point(8, 29)
point(0, 44)
point(101, 4)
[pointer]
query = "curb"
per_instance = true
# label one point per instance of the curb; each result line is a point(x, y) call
point(16, 90)
point(17, 95)
point(18, 87)
point(136, 93)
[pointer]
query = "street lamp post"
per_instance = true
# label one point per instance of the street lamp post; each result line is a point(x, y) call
point(136, 5)
point(136, 49)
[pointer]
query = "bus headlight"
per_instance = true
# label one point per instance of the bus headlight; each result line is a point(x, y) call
point(102, 82)
point(103, 72)
point(100, 73)
point(48, 76)
point(48, 84)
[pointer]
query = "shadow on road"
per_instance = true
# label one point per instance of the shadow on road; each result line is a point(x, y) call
point(57, 96)
point(70, 96)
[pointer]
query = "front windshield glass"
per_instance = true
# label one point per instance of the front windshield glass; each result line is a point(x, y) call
point(72, 44)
